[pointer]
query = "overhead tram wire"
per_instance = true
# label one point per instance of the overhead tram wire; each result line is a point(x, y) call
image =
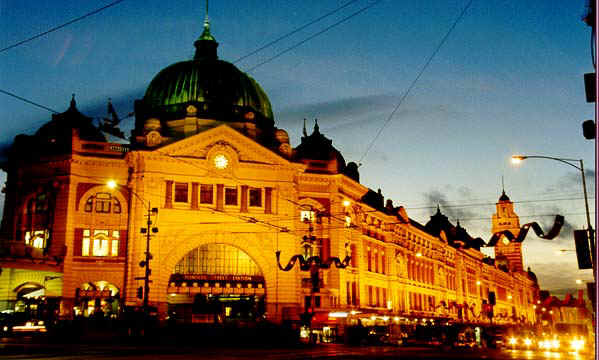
point(28, 101)
point(300, 28)
point(61, 26)
point(314, 35)
point(407, 92)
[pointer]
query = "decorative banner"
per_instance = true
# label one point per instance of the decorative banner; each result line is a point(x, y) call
point(306, 264)
point(553, 233)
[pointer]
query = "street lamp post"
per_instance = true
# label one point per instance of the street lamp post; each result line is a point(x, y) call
point(148, 230)
point(572, 162)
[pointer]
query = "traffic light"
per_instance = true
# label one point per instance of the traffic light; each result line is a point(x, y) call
point(140, 292)
point(588, 129)
point(583, 253)
point(492, 298)
point(589, 87)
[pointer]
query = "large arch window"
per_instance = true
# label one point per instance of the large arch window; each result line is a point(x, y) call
point(217, 259)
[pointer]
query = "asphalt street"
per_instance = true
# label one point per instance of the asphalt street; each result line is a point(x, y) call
point(323, 351)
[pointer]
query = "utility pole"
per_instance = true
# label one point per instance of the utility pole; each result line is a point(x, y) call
point(148, 256)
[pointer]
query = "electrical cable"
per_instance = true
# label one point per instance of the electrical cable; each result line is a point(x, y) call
point(407, 92)
point(61, 26)
point(313, 36)
point(300, 28)
point(28, 101)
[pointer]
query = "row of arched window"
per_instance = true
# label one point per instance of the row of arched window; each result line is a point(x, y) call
point(421, 272)
point(103, 203)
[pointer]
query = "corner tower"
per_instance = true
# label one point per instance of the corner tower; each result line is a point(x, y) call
point(506, 219)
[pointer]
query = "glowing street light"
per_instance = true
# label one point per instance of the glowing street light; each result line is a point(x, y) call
point(148, 230)
point(516, 159)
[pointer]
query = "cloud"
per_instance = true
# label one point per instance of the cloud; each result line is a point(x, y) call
point(560, 278)
point(435, 197)
point(572, 181)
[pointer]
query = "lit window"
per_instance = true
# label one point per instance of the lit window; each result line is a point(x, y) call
point(307, 216)
point(181, 190)
point(103, 202)
point(231, 196)
point(36, 238)
point(101, 243)
point(206, 194)
point(255, 197)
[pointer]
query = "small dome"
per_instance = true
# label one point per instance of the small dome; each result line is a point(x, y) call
point(319, 147)
point(504, 197)
point(59, 129)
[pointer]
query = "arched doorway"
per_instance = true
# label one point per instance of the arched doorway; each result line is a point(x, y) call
point(216, 283)
point(98, 299)
point(30, 302)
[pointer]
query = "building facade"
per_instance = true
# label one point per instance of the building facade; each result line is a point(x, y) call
point(213, 190)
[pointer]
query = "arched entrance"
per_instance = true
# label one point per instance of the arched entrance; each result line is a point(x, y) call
point(216, 283)
point(30, 300)
point(98, 299)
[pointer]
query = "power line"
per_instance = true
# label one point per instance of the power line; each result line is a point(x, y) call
point(302, 27)
point(492, 203)
point(426, 64)
point(61, 26)
point(29, 101)
point(314, 35)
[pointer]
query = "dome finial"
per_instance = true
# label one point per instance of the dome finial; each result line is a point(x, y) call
point(316, 128)
point(206, 44)
point(73, 103)
point(304, 130)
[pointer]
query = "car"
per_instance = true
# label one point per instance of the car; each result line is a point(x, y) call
point(30, 326)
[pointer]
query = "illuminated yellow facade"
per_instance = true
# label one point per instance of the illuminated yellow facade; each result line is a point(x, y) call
point(224, 190)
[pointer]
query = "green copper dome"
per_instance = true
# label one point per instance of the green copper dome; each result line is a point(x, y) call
point(212, 85)
point(207, 81)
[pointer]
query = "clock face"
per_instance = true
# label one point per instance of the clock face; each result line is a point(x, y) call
point(506, 241)
point(221, 161)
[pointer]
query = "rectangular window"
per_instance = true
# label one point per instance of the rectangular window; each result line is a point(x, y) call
point(255, 197)
point(181, 190)
point(369, 259)
point(230, 196)
point(103, 203)
point(85, 247)
point(206, 194)
point(370, 298)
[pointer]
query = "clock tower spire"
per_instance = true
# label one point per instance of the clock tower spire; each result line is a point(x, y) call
point(506, 219)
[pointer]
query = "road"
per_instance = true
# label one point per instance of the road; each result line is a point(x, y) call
point(325, 351)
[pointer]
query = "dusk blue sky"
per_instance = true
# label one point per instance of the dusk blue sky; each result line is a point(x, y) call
point(509, 79)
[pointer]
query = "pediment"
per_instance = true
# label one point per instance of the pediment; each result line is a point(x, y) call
point(226, 140)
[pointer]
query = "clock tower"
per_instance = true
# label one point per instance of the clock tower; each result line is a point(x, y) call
point(506, 219)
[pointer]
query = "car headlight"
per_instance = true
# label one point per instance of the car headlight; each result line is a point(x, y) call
point(577, 344)
point(527, 342)
point(513, 341)
point(555, 344)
